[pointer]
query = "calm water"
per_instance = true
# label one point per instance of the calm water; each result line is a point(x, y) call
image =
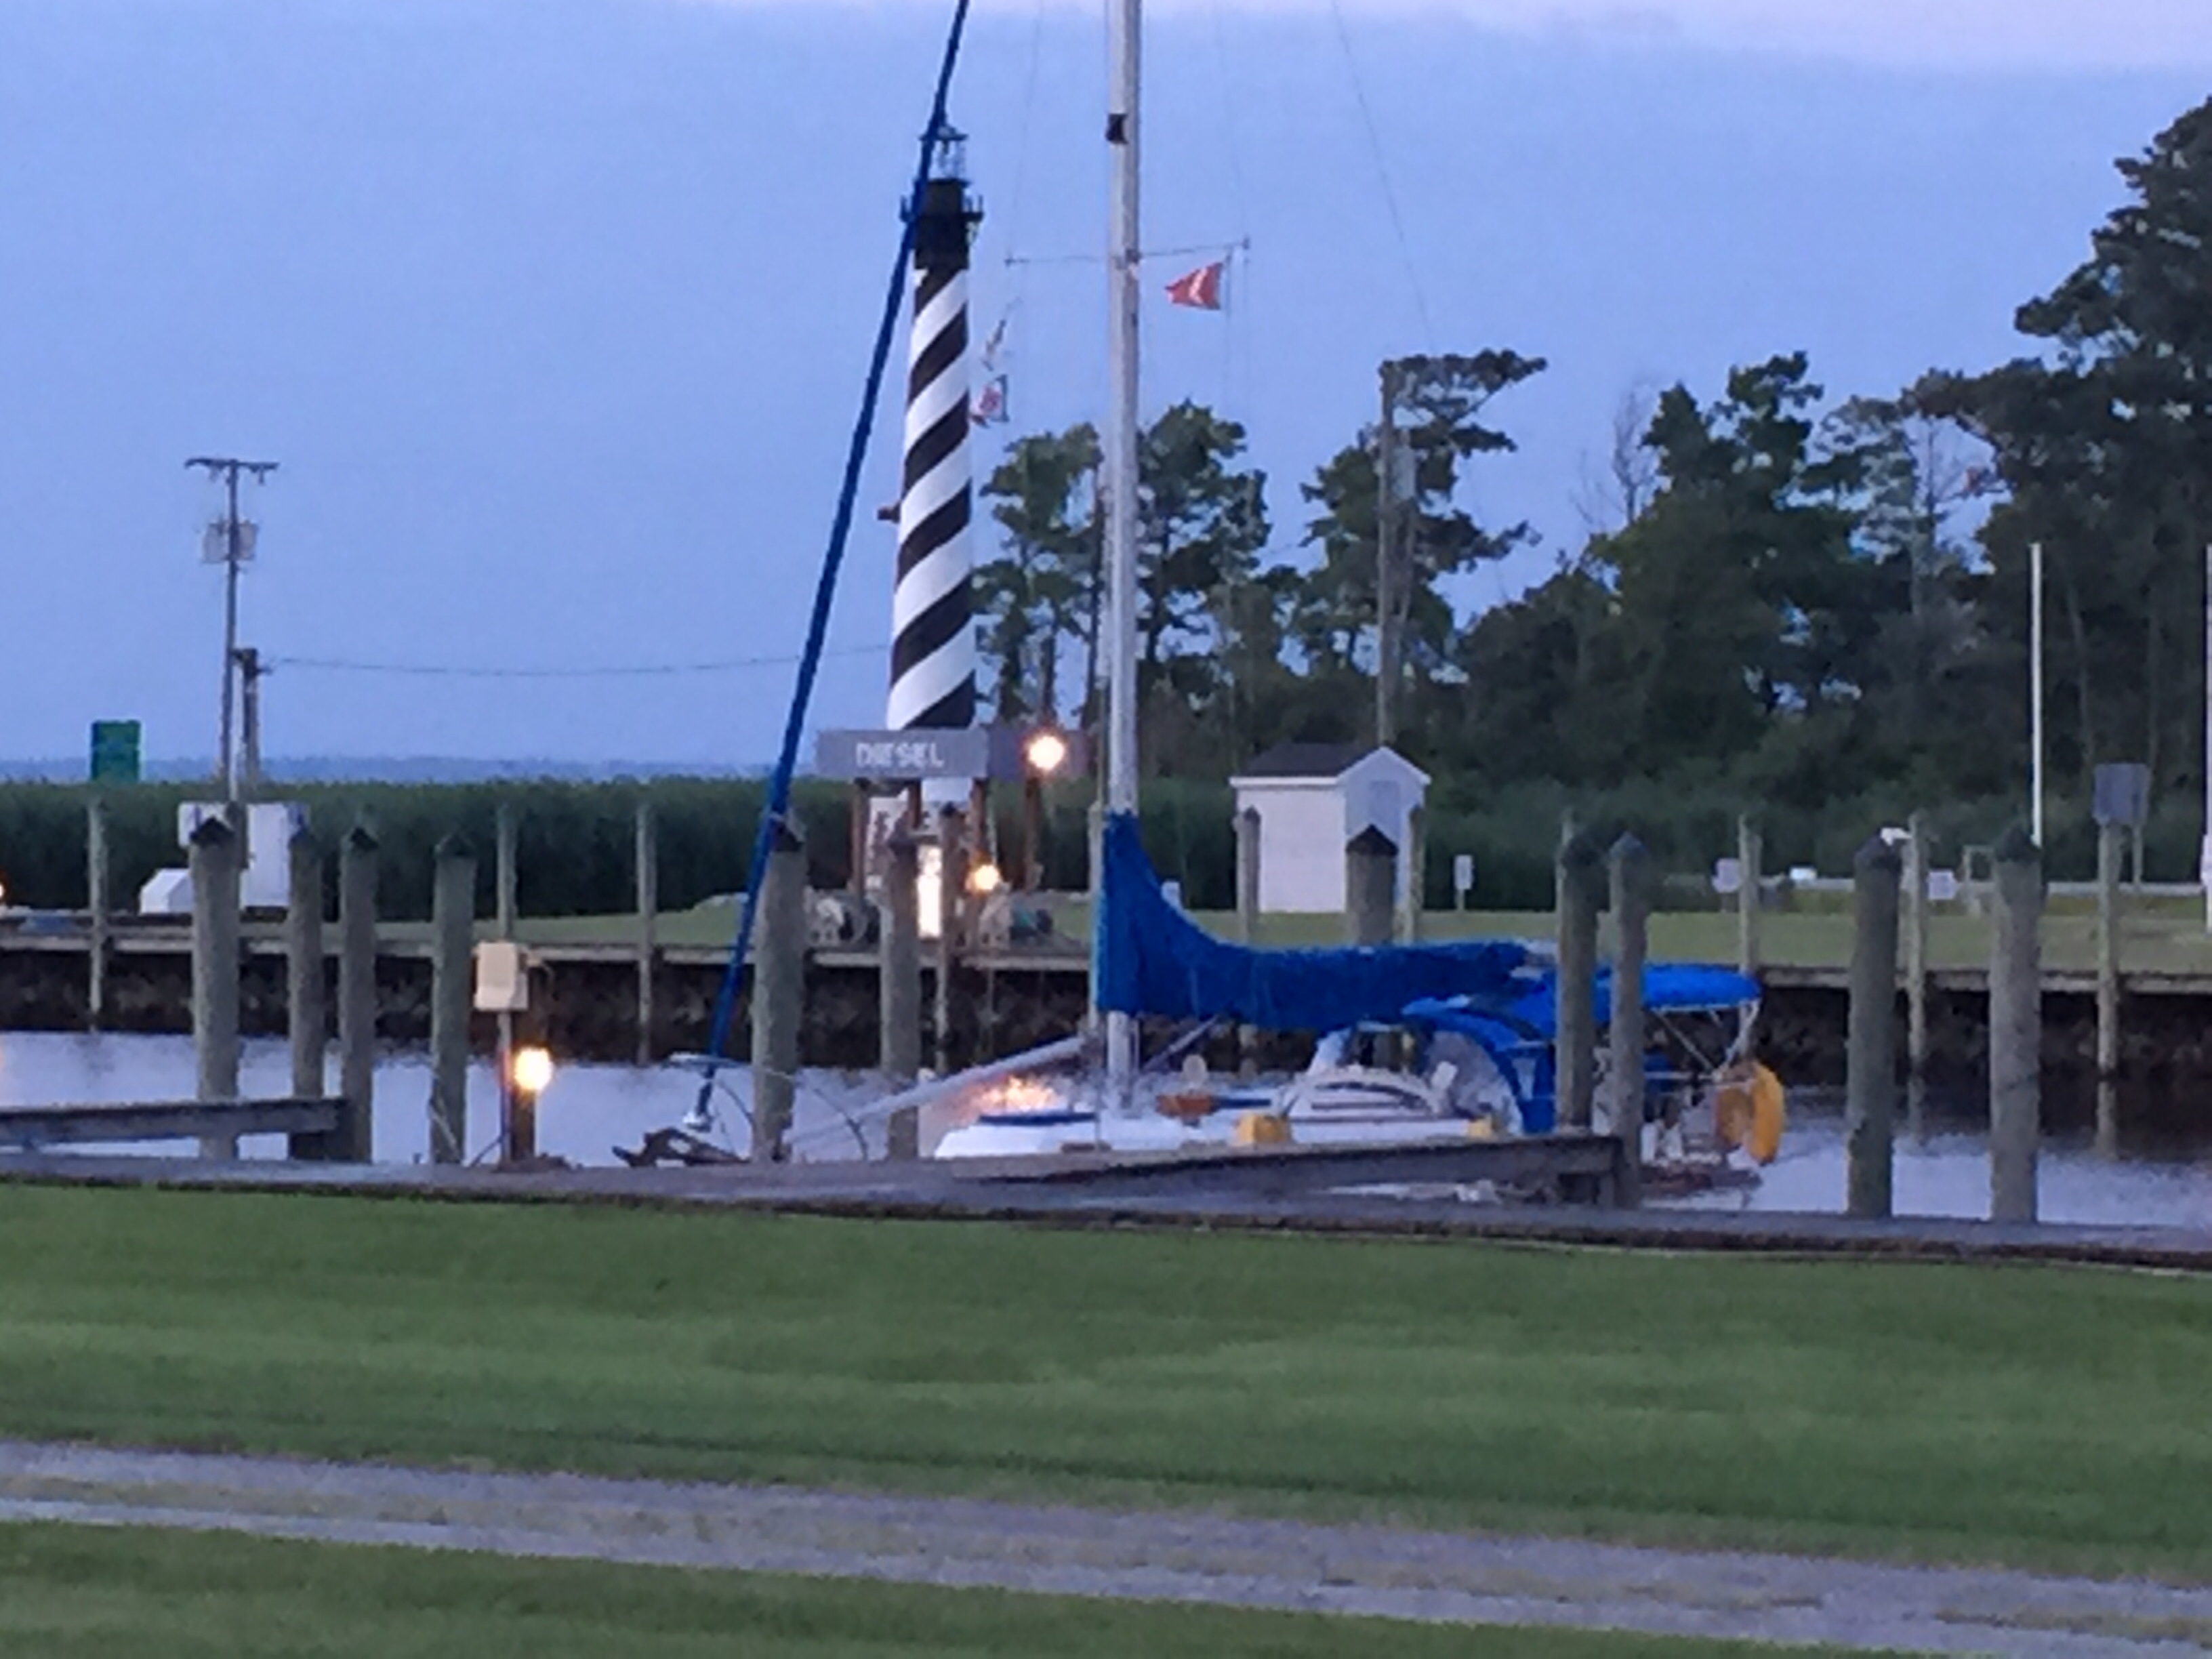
point(589, 1109)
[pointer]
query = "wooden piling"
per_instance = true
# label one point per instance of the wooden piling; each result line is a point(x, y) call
point(504, 872)
point(2108, 988)
point(647, 884)
point(1870, 1062)
point(354, 1141)
point(779, 993)
point(1630, 864)
point(1370, 884)
point(1248, 876)
point(951, 921)
point(1576, 1062)
point(1749, 896)
point(1248, 919)
point(306, 1008)
point(452, 948)
point(214, 862)
point(1915, 941)
point(2015, 1029)
point(98, 901)
point(1413, 889)
point(899, 994)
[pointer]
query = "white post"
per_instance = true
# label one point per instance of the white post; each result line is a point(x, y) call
point(2035, 685)
point(1125, 252)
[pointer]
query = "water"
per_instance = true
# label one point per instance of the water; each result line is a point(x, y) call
point(590, 1110)
point(582, 1117)
point(1948, 1175)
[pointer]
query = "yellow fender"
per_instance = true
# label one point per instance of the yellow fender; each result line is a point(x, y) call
point(1751, 1110)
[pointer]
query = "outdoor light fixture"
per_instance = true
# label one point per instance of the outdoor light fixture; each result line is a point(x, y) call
point(984, 880)
point(1045, 752)
point(532, 1071)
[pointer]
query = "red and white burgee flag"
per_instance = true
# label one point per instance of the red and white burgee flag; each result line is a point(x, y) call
point(1201, 288)
point(988, 407)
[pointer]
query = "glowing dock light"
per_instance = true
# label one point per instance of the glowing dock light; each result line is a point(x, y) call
point(531, 1071)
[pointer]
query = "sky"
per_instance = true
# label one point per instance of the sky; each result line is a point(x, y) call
point(555, 312)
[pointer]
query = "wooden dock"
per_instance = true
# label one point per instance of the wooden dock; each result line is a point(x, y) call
point(1151, 1193)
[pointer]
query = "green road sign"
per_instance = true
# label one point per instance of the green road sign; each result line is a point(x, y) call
point(115, 750)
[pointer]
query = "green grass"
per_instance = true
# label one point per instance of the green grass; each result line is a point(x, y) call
point(71, 1593)
point(2040, 1417)
point(2153, 939)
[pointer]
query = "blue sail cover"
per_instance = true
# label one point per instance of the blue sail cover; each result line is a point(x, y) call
point(1152, 960)
point(1532, 1008)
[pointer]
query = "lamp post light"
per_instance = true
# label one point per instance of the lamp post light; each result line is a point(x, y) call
point(529, 1074)
point(1045, 754)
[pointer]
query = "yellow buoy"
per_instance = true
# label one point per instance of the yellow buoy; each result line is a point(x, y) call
point(1751, 1110)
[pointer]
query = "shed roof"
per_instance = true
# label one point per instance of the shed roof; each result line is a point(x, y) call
point(1305, 760)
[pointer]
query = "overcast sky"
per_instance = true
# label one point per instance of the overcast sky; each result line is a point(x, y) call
point(555, 311)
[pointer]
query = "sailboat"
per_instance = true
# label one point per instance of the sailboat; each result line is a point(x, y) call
point(1420, 1042)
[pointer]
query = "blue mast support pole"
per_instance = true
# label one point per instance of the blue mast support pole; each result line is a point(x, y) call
point(825, 591)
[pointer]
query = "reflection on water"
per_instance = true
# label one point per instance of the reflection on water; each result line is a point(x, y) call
point(590, 1110)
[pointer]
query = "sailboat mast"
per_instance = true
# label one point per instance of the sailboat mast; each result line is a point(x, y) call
point(1124, 257)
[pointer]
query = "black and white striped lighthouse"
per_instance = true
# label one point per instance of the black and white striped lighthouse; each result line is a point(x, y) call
point(932, 632)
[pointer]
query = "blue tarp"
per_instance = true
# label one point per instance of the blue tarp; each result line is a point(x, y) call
point(1153, 960)
point(1532, 1008)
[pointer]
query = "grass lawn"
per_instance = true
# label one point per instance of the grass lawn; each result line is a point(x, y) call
point(2040, 1417)
point(85, 1593)
point(2155, 939)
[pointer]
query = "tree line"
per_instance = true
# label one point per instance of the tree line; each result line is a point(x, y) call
point(1785, 595)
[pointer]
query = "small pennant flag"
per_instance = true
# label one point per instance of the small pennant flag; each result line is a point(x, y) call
point(1200, 289)
point(989, 406)
point(994, 345)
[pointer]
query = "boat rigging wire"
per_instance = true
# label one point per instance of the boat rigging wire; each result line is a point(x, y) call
point(602, 671)
point(1382, 174)
point(825, 592)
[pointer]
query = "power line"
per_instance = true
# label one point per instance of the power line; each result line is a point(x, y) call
point(1382, 172)
point(624, 671)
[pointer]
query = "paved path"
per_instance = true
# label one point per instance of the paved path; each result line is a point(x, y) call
point(1153, 1556)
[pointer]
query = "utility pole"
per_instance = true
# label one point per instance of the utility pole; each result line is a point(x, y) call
point(1386, 562)
point(229, 542)
point(250, 672)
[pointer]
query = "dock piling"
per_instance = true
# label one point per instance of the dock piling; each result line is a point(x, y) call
point(1750, 895)
point(1631, 863)
point(98, 902)
point(951, 921)
point(1248, 918)
point(2015, 1029)
point(214, 862)
point(1248, 876)
point(306, 1011)
point(1370, 887)
point(1579, 864)
point(1414, 886)
point(2108, 988)
point(899, 987)
point(647, 884)
point(354, 1141)
point(452, 947)
point(779, 993)
point(504, 875)
point(1870, 1060)
point(1916, 977)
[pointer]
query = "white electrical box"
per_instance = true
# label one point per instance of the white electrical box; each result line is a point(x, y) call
point(502, 978)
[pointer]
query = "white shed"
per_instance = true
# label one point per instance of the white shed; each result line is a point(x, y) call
point(1312, 798)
